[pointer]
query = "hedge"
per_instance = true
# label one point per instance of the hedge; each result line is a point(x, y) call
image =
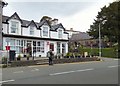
point(106, 52)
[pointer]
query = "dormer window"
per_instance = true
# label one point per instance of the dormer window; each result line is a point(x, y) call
point(14, 27)
point(31, 30)
point(45, 31)
point(60, 33)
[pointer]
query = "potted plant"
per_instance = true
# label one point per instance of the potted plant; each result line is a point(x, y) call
point(76, 55)
point(28, 56)
point(59, 55)
point(71, 55)
point(68, 55)
point(19, 57)
point(79, 55)
point(4, 60)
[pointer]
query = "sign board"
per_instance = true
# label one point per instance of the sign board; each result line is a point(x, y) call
point(7, 47)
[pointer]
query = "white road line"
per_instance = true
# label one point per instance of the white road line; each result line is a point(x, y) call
point(6, 81)
point(113, 66)
point(35, 69)
point(116, 59)
point(18, 72)
point(70, 72)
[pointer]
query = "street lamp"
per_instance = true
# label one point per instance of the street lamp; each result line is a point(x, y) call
point(100, 22)
point(99, 41)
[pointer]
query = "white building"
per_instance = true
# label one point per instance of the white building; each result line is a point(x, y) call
point(71, 32)
point(41, 36)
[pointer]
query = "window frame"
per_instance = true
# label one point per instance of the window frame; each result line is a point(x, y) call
point(60, 33)
point(45, 32)
point(14, 26)
point(32, 32)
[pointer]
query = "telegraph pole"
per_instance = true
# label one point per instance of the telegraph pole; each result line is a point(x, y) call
point(2, 4)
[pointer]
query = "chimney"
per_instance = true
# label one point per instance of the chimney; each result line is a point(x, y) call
point(54, 21)
point(71, 29)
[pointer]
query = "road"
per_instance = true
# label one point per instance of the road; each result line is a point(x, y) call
point(103, 72)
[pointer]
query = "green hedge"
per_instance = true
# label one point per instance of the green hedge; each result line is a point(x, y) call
point(106, 52)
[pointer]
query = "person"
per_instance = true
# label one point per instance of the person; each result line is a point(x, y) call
point(50, 56)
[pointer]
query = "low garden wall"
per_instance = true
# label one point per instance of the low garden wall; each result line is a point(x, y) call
point(56, 61)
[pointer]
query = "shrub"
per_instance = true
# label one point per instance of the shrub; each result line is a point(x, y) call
point(4, 66)
point(4, 60)
point(19, 57)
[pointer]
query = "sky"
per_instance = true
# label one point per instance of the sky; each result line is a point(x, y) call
point(76, 14)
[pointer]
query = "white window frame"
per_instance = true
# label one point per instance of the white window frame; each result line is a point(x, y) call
point(14, 26)
point(40, 47)
point(45, 31)
point(59, 33)
point(31, 30)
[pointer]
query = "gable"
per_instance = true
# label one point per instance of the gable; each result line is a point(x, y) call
point(32, 23)
point(44, 22)
point(15, 16)
point(59, 26)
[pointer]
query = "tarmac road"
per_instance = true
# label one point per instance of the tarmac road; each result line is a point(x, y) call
point(103, 72)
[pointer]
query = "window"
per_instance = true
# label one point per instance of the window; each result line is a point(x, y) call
point(31, 30)
point(58, 47)
point(34, 46)
point(63, 48)
point(38, 46)
point(60, 33)
point(14, 27)
point(16, 45)
point(12, 44)
point(45, 31)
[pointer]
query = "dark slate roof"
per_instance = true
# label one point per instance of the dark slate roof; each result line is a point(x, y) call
point(55, 27)
point(80, 36)
point(26, 23)
point(4, 18)
point(44, 22)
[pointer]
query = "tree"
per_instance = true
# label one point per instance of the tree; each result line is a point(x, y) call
point(109, 20)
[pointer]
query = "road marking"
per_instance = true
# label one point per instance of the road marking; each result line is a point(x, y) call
point(116, 59)
point(6, 81)
point(70, 72)
point(35, 69)
point(36, 66)
point(18, 72)
point(113, 66)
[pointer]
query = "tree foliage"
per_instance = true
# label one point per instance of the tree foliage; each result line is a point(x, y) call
point(109, 20)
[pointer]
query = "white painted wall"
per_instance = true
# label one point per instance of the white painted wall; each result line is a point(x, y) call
point(65, 36)
point(26, 32)
point(54, 34)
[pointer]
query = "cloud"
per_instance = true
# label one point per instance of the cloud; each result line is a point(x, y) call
point(78, 15)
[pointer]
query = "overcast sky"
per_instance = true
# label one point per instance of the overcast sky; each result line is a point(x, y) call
point(76, 14)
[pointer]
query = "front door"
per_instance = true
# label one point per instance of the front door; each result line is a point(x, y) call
point(52, 46)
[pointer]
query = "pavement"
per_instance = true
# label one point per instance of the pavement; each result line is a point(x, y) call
point(102, 72)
